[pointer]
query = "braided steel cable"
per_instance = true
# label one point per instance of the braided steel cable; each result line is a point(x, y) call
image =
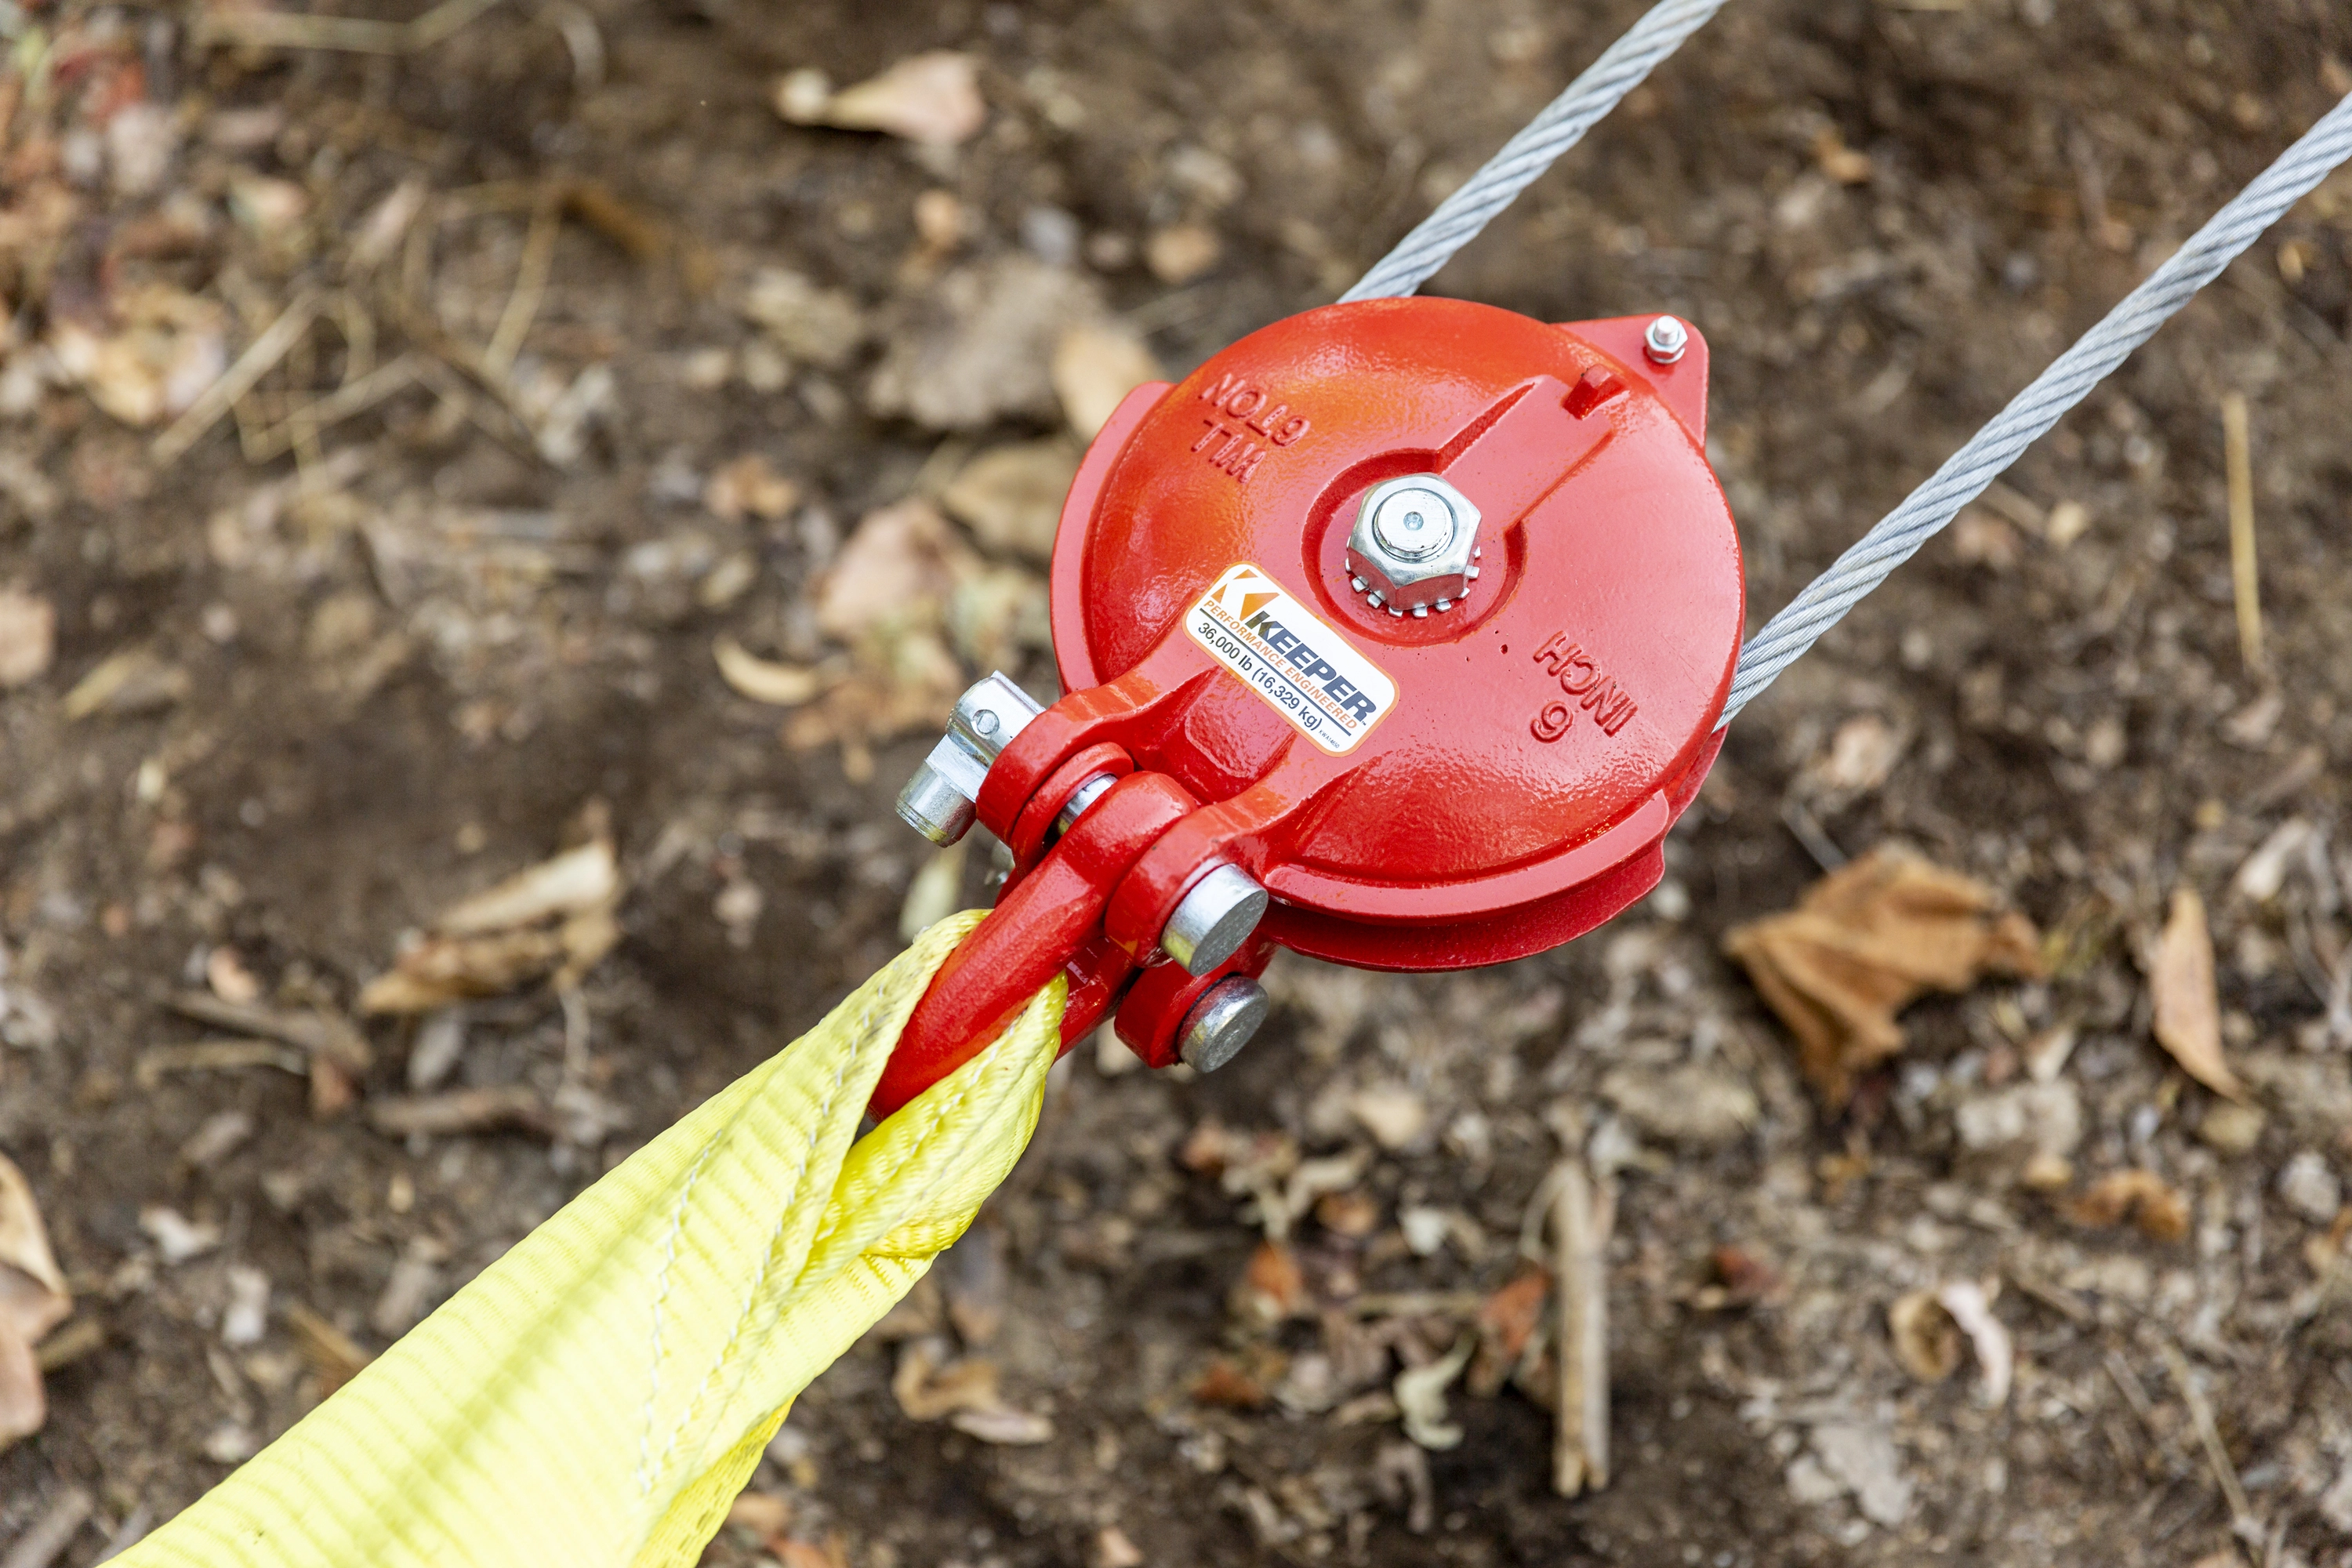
point(1563, 122)
point(2068, 380)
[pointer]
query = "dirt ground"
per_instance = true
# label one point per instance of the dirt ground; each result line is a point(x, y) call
point(649, 354)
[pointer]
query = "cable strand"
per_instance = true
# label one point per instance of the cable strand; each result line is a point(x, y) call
point(2069, 379)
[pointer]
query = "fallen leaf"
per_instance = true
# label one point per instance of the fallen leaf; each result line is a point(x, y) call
point(1011, 497)
point(1095, 367)
point(898, 568)
point(1506, 1321)
point(2142, 1196)
point(2188, 1006)
point(1927, 1339)
point(764, 680)
point(932, 97)
point(1864, 942)
point(978, 346)
point(28, 638)
point(1394, 1115)
point(555, 919)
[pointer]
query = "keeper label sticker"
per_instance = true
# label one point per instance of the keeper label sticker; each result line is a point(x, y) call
point(1304, 669)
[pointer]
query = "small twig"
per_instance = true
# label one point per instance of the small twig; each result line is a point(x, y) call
point(53, 1532)
point(530, 283)
point(2239, 448)
point(1580, 1223)
point(238, 379)
point(351, 34)
point(354, 398)
point(2200, 1416)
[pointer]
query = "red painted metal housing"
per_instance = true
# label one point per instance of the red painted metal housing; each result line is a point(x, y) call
point(1545, 731)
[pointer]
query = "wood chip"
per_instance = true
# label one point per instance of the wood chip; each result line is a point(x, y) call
point(1582, 1221)
point(2187, 1004)
point(316, 1031)
point(463, 1111)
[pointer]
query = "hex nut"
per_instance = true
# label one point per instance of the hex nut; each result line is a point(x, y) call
point(1413, 546)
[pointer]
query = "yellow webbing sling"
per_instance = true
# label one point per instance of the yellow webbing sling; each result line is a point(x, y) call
point(601, 1394)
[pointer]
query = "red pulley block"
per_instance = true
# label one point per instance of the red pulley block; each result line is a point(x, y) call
point(1431, 608)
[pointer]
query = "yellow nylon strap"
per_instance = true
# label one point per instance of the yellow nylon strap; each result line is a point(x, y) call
point(600, 1394)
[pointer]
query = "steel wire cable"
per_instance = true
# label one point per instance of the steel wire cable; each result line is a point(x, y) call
point(2030, 414)
point(1563, 122)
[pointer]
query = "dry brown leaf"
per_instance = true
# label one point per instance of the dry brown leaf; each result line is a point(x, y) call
point(33, 1300)
point(1927, 1337)
point(898, 568)
point(932, 97)
point(28, 638)
point(1011, 497)
point(2188, 1005)
point(1866, 941)
point(568, 884)
point(2141, 1196)
point(764, 680)
point(554, 918)
point(1093, 367)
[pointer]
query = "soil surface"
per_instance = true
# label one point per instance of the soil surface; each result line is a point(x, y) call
point(662, 352)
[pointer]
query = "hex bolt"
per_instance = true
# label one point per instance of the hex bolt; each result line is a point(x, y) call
point(1221, 1022)
point(1214, 919)
point(1667, 340)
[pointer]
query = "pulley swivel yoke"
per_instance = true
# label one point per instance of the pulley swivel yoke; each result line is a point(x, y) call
point(1395, 635)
